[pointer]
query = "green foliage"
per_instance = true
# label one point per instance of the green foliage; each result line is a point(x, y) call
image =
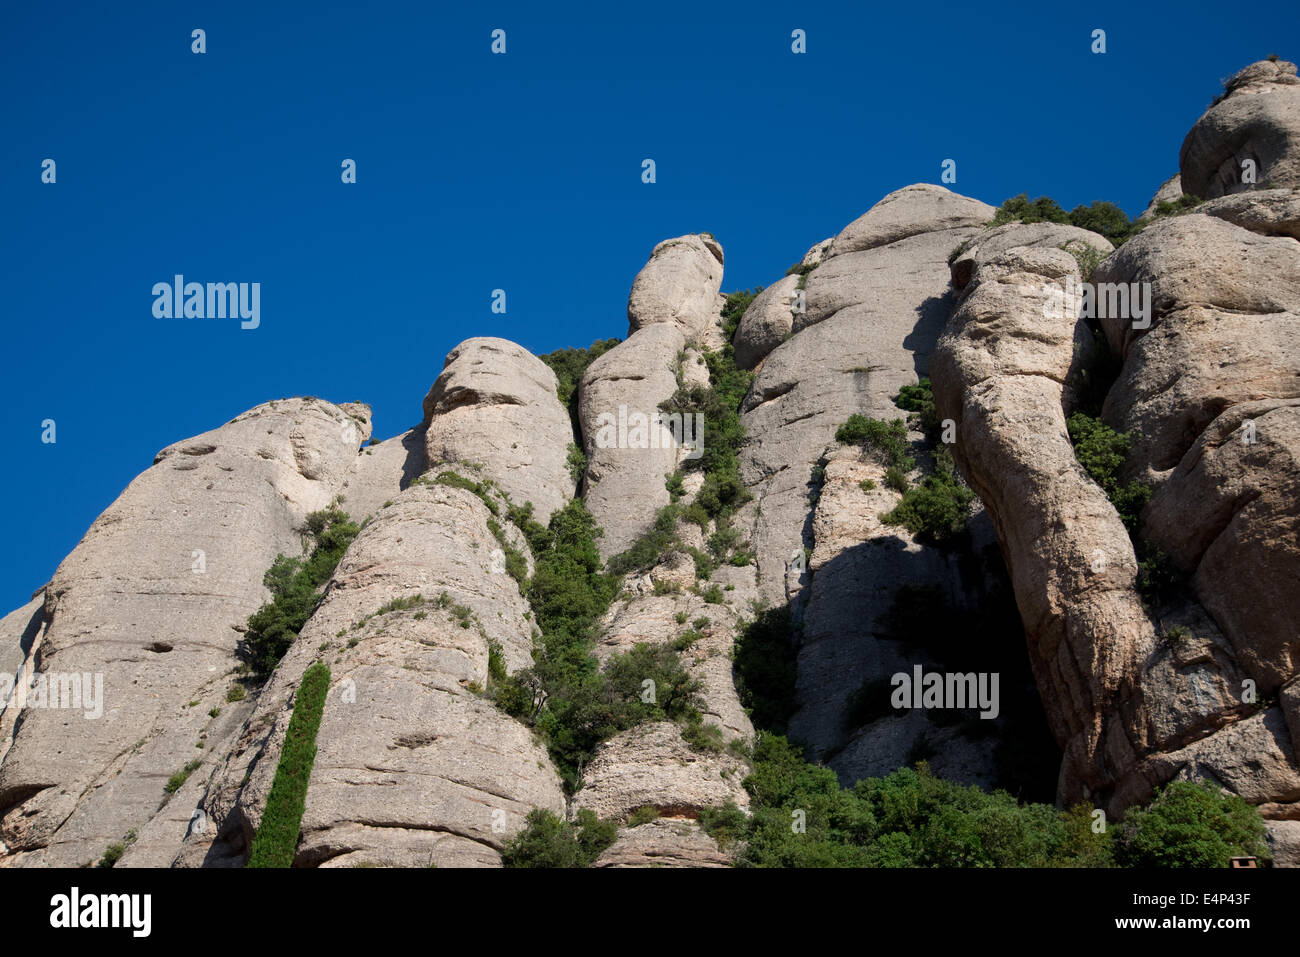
point(1176, 207)
point(569, 366)
point(1100, 217)
point(576, 460)
point(675, 485)
point(177, 780)
point(456, 480)
point(1101, 451)
point(1158, 579)
point(1103, 218)
point(919, 400)
point(401, 604)
point(1191, 825)
point(112, 854)
point(764, 668)
point(652, 545)
point(886, 439)
point(535, 533)
point(701, 736)
point(1022, 208)
point(277, 836)
point(936, 511)
point(643, 815)
point(565, 696)
point(897, 479)
point(547, 840)
point(235, 693)
point(800, 269)
point(295, 586)
point(1086, 256)
point(907, 819)
point(516, 563)
point(735, 306)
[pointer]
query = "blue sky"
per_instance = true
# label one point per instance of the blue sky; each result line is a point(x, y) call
point(477, 172)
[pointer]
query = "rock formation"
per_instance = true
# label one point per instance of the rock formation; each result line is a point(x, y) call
point(428, 610)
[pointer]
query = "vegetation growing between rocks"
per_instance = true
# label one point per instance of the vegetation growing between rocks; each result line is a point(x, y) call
point(566, 697)
point(909, 818)
point(1103, 218)
point(277, 836)
point(547, 840)
point(1191, 824)
point(1101, 451)
point(1100, 217)
point(935, 511)
point(295, 586)
point(569, 366)
point(722, 491)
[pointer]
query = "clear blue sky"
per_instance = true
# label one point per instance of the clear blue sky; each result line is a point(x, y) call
point(477, 172)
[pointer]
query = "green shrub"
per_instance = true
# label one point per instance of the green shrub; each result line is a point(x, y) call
point(456, 480)
point(1158, 579)
point(277, 837)
point(549, 841)
point(896, 478)
point(1176, 207)
point(909, 818)
point(177, 780)
point(919, 400)
point(703, 737)
point(1100, 217)
point(651, 546)
point(295, 585)
point(722, 490)
point(401, 604)
point(675, 486)
point(576, 460)
point(887, 439)
point(1103, 218)
point(112, 854)
point(1101, 451)
point(734, 308)
point(1191, 825)
point(643, 815)
point(1022, 208)
point(934, 511)
point(235, 693)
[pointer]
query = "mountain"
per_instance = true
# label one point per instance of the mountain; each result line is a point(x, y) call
point(953, 440)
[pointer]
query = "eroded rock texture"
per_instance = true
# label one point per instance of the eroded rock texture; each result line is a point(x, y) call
point(148, 600)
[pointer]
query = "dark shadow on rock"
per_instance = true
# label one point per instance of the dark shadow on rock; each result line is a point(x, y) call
point(931, 317)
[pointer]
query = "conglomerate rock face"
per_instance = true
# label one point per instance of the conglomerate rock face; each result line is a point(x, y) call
point(1249, 137)
point(147, 601)
point(416, 764)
